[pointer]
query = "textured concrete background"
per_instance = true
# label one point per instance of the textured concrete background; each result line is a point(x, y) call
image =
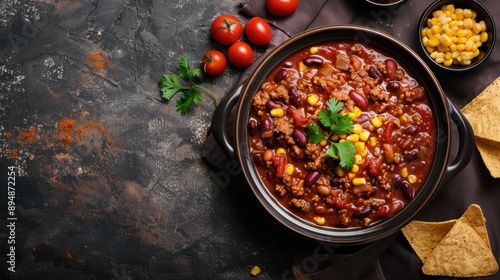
point(132, 198)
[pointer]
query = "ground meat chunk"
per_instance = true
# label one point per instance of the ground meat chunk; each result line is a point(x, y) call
point(260, 100)
point(313, 151)
point(301, 204)
point(414, 93)
point(376, 94)
point(329, 83)
point(340, 95)
point(342, 62)
point(283, 130)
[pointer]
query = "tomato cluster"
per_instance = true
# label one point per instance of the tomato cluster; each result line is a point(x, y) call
point(227, 30)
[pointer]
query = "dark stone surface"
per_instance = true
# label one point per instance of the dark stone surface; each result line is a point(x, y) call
point(133, 200)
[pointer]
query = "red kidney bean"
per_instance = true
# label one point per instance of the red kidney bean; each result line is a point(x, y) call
point(269, 142)
point(359, 99)
point(313, 61)
point(252, 127)
point(390, 68)
point(411, 155)
point(300, 137)
point(410, 130)
point(311, 178)
point(266, 125)
point(374, 73)
point(363, 213)
point(407, 190)
point(387, 133)
point(288, 64)
point(396, 181)
point(320, 209)
point(259, 161)
point(362, 119)
point(270, 104)
point(294, 97)
point(393, 86)
point(355, 63)
point(383, 211)
point(280, 75)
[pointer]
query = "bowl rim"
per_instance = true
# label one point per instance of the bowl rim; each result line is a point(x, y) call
point(491, 34)
point(385, 4)
point(341, 236)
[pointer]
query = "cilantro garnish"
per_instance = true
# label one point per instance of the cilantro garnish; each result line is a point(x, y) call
point(170, 85)
point(337, 124)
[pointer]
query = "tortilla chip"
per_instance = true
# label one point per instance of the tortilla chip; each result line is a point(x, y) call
point(475, 218)
point(479, 111)
point(490, 153)
point(425, 236)
point(461, 253)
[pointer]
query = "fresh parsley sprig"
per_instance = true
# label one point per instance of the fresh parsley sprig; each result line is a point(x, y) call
point(337, 124)
point(170, 85)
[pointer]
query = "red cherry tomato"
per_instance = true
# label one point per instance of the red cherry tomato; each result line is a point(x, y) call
point(214, 62)
point(240, 54)
point(258, 31)
point(226, 29)
point(282, 7)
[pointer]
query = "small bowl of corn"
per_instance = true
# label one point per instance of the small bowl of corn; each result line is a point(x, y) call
point(457, 35)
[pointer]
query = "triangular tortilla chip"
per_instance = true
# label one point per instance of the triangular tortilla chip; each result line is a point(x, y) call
point(461, 253)
point(490, 153)
point(425, 236)
point(479, 112)
point(476, 220)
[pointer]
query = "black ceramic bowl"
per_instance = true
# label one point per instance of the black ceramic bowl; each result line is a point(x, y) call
point(482, 14)
point(384, 2)
point(235, 142)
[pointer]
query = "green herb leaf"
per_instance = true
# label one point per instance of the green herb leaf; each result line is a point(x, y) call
point(315, 134)
point(346, 152)
point(325, 118)
point(184, 103)
point(344, 124)
point(169, 86)
point(334, 105)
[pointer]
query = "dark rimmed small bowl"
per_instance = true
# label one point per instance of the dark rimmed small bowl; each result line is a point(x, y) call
point(384, 3)
point(482, 14)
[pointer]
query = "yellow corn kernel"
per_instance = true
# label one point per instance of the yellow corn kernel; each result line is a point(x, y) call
point(453, 47)
point(429, 49)
point(357, 111)
point(468, 23)
point(316, 112)
point(483, 37)
point(462, 40)
point(302, 66)
point(358, 159)
point(445, 41)
point(357, 128)
point(454, 23)
point(376, 122)
point(300, 184)
point(323, 142)
point(343, 135)
point(280, 152)
point(319, 220)
point(363, 136)
point(451, 8)
point(477, 28)
point(447, 55)
point(373, 141)
point(277, 112)
point(355, 168)
point(351, 175)
point(360, 146)
point(437, 13)
point(433, 41)
point(359, 181)
point(412, 178)
point(289, 169)
point(467, 13)
point(312, 99)
point(448, 62)
point(439, 59)
point(342, 140)
point(353, 138)
point(404, 172)
point(313, 50)
point(460, 47)
point(352, 116)
point(483, 25)
point(339, 171)
point(436, 29)
point(403, 119)
point(459, 13)
point(334, 138)
point(255, 270)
